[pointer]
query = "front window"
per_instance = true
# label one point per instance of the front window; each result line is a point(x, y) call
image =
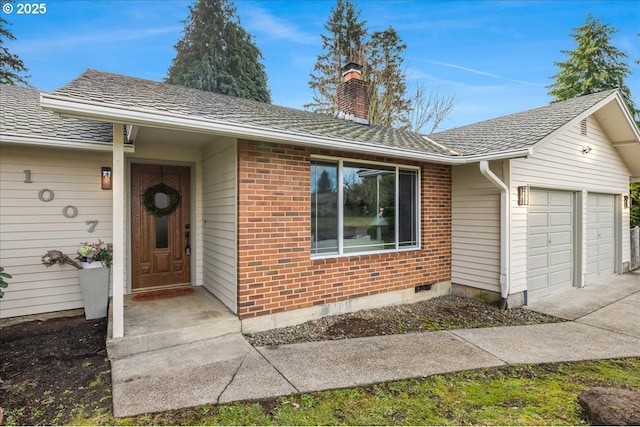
point(361, 207)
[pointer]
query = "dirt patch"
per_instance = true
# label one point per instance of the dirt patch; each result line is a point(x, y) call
point(54, 370)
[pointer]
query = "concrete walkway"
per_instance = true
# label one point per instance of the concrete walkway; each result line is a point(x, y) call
point(604, 323)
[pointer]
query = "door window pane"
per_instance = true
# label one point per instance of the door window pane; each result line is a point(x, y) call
point(162, 229)
point(324, 207)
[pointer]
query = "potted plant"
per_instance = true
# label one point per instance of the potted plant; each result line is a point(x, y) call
point(94, 261)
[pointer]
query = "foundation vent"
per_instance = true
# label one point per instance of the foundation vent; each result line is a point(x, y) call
point(422, 288)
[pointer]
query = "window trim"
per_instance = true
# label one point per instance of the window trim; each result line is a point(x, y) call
point(340, 162)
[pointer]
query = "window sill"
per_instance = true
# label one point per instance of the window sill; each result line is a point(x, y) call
point(321, 257)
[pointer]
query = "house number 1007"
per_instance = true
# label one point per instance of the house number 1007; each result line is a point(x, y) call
point(46, 195)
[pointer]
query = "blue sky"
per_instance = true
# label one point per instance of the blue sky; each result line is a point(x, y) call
point(496, 57)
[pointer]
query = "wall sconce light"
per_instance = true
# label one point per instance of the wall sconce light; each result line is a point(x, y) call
point(106, 178)
point(625, 202)
point(586, 150)
point(523, 195)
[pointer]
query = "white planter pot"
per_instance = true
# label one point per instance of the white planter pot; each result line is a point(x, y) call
point(95, 291)
point(92, 264)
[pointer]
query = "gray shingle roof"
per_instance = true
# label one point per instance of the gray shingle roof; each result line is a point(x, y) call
point(21, 115)
point(515, 131)
point(144, 95)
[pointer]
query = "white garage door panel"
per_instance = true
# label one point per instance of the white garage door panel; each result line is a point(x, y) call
point(550, 242)
point(600, 236)
point(537, 263)
point(561, 237)
point(559, 259)
point(538, 241)
point(560, 277)
point(540, 281)
point(560, 219)
point(538, 220)
point(561, 198)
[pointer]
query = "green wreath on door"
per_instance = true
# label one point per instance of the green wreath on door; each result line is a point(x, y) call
point(149, 198)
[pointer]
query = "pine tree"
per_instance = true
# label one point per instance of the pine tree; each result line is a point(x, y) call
point(12, 68)
point(343, 44)
point(634, 214)
point(388, 102)
point(216, 54)
point(381, 55)
point(593, 66)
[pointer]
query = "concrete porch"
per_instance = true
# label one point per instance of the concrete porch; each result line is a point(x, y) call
point(163, 323)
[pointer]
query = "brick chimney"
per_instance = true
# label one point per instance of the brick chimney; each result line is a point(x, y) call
point(352, 95)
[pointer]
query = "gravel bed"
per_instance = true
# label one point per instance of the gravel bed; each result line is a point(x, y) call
point(448, 312)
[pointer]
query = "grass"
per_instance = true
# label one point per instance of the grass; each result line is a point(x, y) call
point(512, 395)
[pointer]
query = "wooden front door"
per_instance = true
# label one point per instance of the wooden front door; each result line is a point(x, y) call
point(160, 244)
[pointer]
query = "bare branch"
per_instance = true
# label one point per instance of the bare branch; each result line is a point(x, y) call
point(428, 112)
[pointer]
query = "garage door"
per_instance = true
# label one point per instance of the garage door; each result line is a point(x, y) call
point(600, 236)
point(550, 243)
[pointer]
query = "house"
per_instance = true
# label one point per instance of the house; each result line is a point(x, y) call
point(554, 218)
point(285, 215)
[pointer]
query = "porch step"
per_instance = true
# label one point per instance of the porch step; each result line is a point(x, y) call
point(163, 323)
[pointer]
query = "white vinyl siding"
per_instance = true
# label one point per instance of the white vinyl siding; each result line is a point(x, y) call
point(220, 224)
point(30, 227)
point(475, 228)
point(561, 165)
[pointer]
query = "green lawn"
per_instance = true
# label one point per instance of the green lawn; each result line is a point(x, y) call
point(514, 395)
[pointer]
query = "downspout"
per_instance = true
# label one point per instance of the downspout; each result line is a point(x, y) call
point(505, 241)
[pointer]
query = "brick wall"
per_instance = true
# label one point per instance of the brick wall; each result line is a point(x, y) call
point(275, 270)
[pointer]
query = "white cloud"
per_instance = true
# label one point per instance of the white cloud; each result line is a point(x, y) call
point(71, 42)
point(258, 20)
point(484, 73)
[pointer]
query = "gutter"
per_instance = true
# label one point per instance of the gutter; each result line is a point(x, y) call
point(123, 114)
point(505, 232)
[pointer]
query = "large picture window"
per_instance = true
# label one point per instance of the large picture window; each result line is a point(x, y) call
point(362, 207)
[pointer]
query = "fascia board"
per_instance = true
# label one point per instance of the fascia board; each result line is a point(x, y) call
point(628, 116)
point(9, 139)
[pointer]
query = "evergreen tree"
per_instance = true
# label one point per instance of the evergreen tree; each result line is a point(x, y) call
point(12, 68)
point(634, 190)
point(216, 54)
point(388, 102)
point(343, 44)
point(324, 183)
point(593, 66)
point(381, 55)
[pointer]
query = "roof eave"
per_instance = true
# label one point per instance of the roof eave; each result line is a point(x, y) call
point(633, 162)
point(43, 141)
point(69, 107)
point(498, 155)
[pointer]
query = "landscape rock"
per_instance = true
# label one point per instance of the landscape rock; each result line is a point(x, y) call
point(611, 406)
point(446, 312)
